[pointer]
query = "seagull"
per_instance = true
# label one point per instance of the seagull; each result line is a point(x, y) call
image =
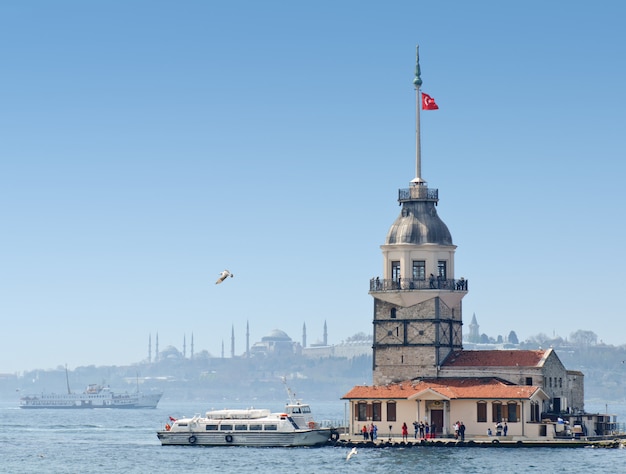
point(225, 274)
point(351, 453)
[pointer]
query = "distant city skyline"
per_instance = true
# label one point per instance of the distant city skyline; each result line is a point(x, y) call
point(147, 147)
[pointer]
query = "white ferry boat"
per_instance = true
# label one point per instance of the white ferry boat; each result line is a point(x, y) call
point(294, 426)
point(95, 396)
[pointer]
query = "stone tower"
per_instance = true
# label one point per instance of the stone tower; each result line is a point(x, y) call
point(417, 302)
point(474, 332)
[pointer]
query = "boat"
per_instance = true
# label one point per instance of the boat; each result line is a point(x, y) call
point(294, 426)
point(94, 396)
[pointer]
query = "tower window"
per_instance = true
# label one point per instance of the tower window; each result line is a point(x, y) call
point(419, 270)
point(393, 313)
point(395, 271)
point(441, 270)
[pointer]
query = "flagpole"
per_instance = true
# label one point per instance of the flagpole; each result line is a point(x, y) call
point(417, 82)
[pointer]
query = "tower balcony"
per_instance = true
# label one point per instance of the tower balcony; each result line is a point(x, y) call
point(379, 285)
point(418, 193)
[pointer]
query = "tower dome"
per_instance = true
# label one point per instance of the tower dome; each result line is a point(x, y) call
point(419, 223)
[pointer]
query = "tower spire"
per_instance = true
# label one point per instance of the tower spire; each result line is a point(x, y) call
point(417, 83)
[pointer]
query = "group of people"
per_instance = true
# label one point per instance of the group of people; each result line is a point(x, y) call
point(422, 430)
point(501, 429)
point(459, 430)
point(370, 434)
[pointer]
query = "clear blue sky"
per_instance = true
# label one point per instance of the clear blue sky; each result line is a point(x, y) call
point(147, 145)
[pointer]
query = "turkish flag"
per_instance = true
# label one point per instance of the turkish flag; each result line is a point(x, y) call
point(428, 103)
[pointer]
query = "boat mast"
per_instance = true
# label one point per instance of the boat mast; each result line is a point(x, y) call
point(67, 380)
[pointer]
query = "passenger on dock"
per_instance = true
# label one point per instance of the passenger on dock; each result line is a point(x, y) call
point(422, 429)
point(416, 426)
point(372, 432)
point(505, 429)
point(456, 430)
point(364, 432)
point(462, 431)
point(431, 280)
point(405, 432)
point(498, 429)
point(375, 432)
point(426, 429)
point(489, 433)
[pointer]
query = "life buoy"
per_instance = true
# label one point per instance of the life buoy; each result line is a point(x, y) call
point(495, 441)
point(311, 424)
point(167, 427)
point(334, 436)
point(229, 438)
point(192, 439)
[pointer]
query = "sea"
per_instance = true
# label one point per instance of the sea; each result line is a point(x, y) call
point(125, 441)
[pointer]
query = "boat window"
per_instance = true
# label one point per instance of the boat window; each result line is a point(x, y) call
point(182, 424)
point(306, 409)
point(226, 427)
point(271, 427)
point(256, 427)
point(211, 427)
point(295, 410)
point(241, 427)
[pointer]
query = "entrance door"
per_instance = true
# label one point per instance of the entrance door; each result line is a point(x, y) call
point(436, 418)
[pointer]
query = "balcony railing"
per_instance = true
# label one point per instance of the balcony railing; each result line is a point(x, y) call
point(377, 284)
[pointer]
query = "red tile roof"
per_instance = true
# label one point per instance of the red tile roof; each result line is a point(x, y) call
point(496, 358)
point(449, 388)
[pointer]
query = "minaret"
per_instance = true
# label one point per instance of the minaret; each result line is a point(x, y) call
point(232, 342)
point(248, 339)
point(156, 349)
point(191, 356)
point(222, 348)
point(417, 302)
point(303, 335)
point(184, 346)
point(325, 334)
point(149, 348)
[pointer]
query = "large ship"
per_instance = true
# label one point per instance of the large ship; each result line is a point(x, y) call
point(94, 396)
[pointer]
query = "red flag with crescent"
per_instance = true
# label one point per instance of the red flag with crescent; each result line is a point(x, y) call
point(428, 103)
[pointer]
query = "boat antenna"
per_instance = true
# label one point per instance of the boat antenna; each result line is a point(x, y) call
point(67, 380)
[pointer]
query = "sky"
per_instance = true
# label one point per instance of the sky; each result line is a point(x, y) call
point(147, 145)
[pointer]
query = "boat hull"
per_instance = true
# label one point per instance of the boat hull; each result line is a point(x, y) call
point(296, 438)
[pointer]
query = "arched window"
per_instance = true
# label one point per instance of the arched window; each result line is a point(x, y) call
point(361, 411)
point(481, 411)
point(512, 411)
point(496, 411)
point(376, 411)
point(391, 411)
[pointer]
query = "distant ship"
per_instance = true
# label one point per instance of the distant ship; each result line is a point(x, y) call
point(94, 396)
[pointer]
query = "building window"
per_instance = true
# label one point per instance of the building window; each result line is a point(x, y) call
point(529, 380)
point(560, 382)
point(496, 412)
point(481, 412)
point(391, 411)
point(534, 411)
point(512, 412)
point(361, 412)
point(395, 271)
point(376, 411)
point(419, 270)
point(441, 270)
point(393, 313)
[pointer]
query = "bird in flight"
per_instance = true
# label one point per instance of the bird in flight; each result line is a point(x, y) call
point(225, 274)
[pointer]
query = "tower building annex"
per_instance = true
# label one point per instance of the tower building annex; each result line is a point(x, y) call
point(420, 369)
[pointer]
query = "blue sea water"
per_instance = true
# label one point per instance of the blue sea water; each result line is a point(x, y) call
point(124, 441)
